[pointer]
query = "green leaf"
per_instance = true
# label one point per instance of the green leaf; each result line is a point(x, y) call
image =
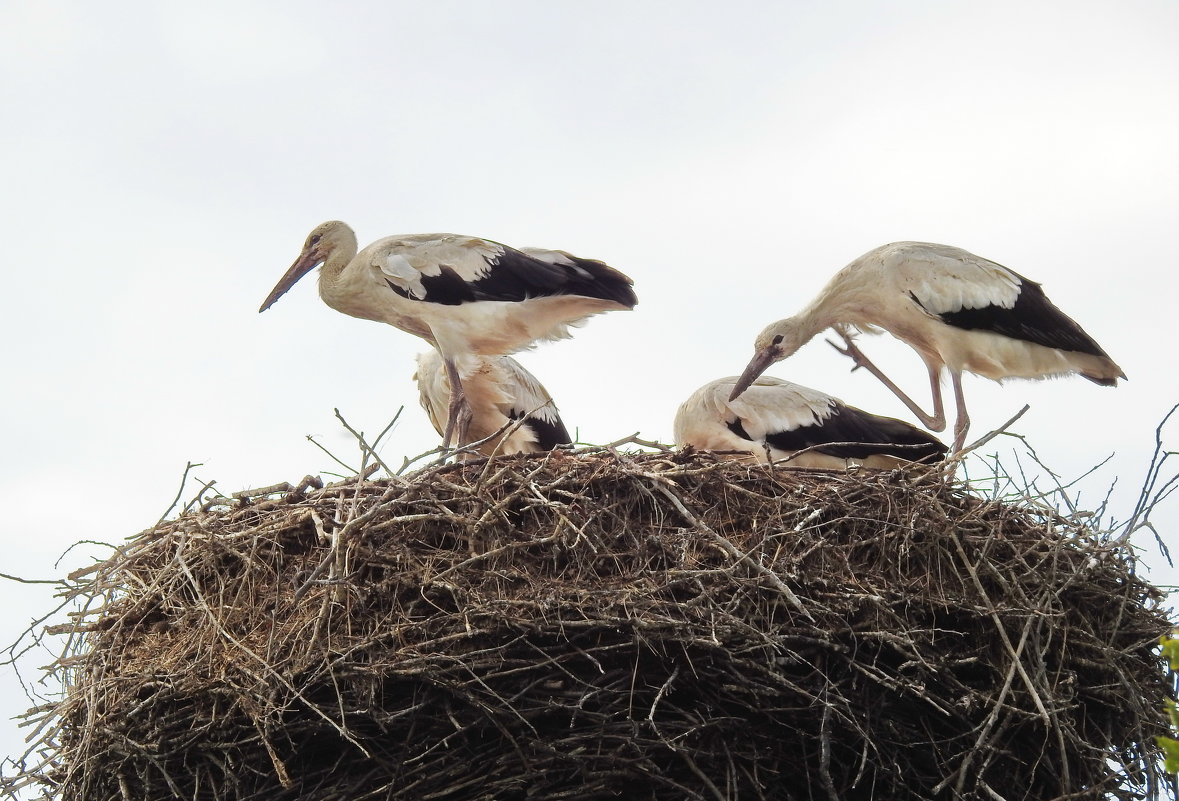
point(1171, 651)
point(1170, 753)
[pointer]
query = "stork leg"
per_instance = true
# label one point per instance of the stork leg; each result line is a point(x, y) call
point(962, 423)
point(935, 421)
point(458, 417)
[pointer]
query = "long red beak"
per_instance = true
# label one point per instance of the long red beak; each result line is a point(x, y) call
point(308, 260)
point(757, 365)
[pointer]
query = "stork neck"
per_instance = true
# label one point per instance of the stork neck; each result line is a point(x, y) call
point(808, 323)
point(335, 263)
point(343, 251)
point(840, 302)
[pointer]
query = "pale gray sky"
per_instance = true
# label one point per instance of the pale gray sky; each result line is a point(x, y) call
point(162, 163)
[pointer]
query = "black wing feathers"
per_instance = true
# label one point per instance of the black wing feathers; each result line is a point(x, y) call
point(549, 435)
point(848, 424)
point(735, 426)
point(1033, 318)
point(515, 276)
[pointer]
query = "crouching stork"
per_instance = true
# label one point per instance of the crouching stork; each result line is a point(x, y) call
point(500, 392)
point(775, 419)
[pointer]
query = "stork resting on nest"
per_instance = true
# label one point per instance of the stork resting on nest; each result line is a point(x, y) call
point(500, 392)
point(775, 419)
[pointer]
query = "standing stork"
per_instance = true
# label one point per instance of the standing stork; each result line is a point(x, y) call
point(774, 419)
point(464, 295)
point(499, 391)
point(960, 312)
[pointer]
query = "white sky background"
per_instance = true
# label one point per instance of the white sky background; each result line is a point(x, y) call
point(162, 163)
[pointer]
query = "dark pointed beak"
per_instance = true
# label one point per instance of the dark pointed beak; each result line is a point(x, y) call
point(757, 365)
point(308, 260)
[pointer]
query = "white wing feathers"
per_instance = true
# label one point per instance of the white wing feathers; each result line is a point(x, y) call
point(404, 260)
point(769, 406)
point(529, 398)
point(397, 269)
point(772, 405)
point(947, 279)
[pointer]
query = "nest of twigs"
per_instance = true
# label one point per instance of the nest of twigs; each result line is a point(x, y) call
point(644, 626)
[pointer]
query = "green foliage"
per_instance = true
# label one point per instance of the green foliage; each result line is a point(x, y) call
point(1170, 753)
point(1170, 745)
point(1171, 651)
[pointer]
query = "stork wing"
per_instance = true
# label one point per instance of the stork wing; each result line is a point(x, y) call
point(947, 280)
point(450, 270)
point(433, 388)
point(772, 405)
point(973, 293)
point(863, 434)
point(790, 417)
point(532, 401)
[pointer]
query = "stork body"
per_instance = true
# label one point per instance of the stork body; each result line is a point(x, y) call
point(464, 295)
point(960, 312)
point(774, 419)
point(500, 391)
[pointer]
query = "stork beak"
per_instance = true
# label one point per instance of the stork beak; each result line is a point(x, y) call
point(308, 260)
point(757, 365)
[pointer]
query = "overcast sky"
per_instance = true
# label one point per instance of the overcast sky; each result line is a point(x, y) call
point(162, 162)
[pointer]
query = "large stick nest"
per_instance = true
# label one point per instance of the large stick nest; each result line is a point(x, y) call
point(652, 626)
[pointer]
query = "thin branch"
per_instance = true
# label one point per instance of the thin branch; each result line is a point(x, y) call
point(179, 492)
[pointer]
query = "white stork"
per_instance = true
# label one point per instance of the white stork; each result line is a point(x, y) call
point(960, 312)
point(499, 391)
point(773, 419)
point(465, 296)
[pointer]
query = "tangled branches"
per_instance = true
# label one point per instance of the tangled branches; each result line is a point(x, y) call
point(600, 625)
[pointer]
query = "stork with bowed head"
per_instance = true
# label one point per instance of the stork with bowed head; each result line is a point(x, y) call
point(500, 392)
point(464, 295)
point(775, 419)
point(960, 312)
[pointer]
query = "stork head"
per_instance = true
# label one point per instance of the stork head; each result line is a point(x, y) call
point(776, 342)
point(327, 238)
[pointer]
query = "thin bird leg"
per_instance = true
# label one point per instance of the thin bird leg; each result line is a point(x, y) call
point(459, 413)
point(962, 424)
point(935, 421)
